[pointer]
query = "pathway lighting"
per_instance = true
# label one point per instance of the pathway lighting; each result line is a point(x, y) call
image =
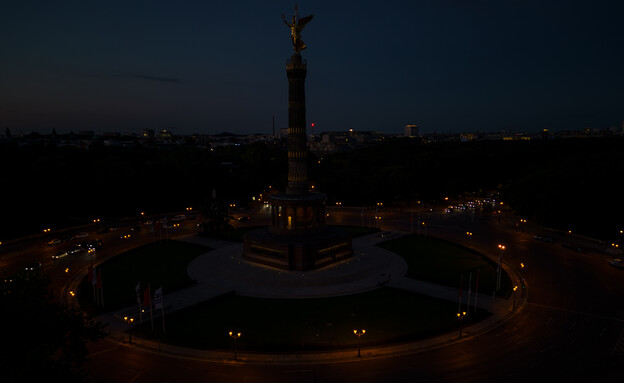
point(129, 321)
point(460, 316)
point(359, 334)
point(234, 336)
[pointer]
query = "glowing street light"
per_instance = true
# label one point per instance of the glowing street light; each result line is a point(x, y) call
point(359, 334)
point(129, 321)
point(234, 336)
point(499, 266)
point(460, 316)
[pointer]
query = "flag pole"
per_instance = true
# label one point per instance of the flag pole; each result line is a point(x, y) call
point(461, 283)
point(469, 291)
point(149, 292)
point(91, 280)
point(162, 308)
point(138, 293)
point(100, 282)
point(160, 304)
point(477, 290)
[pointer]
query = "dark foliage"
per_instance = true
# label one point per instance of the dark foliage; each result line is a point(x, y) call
point(41, 341)
point(46, 185)
point(571, 184)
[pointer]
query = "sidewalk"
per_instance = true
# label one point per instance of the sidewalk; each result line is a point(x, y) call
point(223, 270)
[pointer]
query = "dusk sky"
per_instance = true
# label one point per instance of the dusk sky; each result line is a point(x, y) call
point(219, 65)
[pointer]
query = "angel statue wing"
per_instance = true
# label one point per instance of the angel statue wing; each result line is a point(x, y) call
point(303, 21)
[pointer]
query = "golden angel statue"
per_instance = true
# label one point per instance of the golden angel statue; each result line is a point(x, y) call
point(296, 25)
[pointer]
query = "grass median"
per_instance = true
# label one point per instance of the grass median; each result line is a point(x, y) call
point(442, 262)
point(157, 264)
point(283, 325)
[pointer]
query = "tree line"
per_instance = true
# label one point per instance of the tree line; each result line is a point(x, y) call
point(571, 184)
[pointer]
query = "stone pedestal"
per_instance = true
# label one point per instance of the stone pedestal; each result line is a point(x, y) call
point(297, 252)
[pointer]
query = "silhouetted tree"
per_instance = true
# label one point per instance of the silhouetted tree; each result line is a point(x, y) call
point(41, 341)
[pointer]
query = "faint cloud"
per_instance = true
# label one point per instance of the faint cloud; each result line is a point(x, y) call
point(140, 76)
point(149, 77)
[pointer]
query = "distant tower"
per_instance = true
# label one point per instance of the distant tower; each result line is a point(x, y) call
point(298, 238)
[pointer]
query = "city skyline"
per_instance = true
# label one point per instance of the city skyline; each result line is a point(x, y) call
point(448, 66)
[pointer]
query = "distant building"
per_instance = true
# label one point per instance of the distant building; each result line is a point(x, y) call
point(411, 131)
point(165, 135)
point(465, 137)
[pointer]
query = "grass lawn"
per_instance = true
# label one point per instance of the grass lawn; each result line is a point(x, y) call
point(438, 261)
point(277, 325)
point(159, 264)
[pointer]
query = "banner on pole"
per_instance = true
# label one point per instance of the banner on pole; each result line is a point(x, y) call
point(158, 299)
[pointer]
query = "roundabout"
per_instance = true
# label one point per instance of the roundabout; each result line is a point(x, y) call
point(222, 272)
point(569, 327)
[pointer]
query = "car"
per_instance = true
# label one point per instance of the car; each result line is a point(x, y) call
point(81, 235)
point(53, 242)
point(107, 229)
point(32, 266)
point(617, 263)
point(97, 244)
point(179, 217)
point(61, 254)
point(243, 218)
point(76, 249)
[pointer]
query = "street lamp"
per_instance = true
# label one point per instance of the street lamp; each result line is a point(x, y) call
point(499, 266)
point(129, 320)
point(514, 294)
point(460, 316)
point(359, 334)
point(234, 336)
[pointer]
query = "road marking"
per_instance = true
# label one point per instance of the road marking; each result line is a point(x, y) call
point(577, 312)
point(136, 376)
point(619, 345)
point(603, 331)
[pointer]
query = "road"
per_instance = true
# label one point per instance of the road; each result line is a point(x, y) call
point(571, 328)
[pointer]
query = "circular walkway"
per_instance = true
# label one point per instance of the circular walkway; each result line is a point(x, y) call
point(370, 266)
